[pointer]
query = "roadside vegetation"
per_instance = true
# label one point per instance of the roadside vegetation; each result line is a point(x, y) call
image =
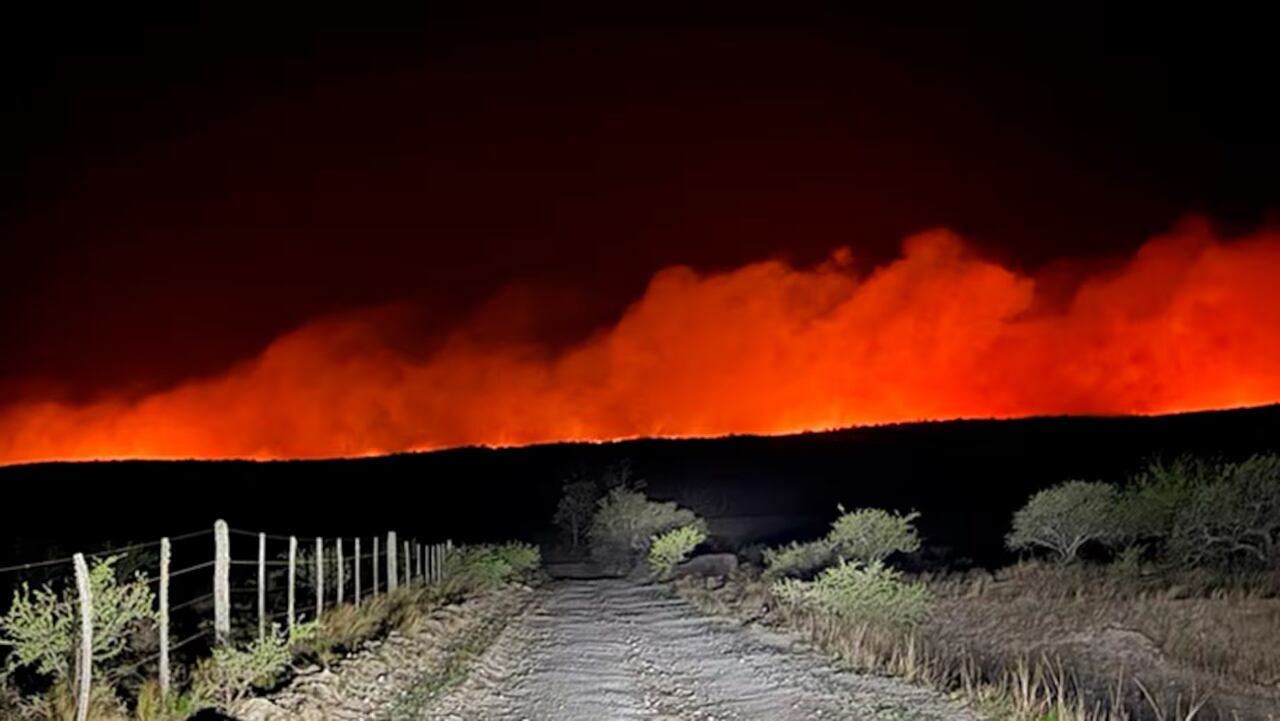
point(40, 634)
point(607, 515)
point(1155, 598)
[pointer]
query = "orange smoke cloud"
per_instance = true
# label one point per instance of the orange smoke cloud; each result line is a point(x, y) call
point(1190, 322)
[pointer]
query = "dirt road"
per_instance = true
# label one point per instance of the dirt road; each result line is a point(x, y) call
point(612, 651)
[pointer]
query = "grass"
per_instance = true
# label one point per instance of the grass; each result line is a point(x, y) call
point(1040, 642)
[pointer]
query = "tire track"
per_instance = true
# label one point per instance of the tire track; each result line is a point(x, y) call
point(614, 651)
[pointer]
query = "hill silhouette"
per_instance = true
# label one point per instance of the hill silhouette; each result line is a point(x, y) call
point(965, 477)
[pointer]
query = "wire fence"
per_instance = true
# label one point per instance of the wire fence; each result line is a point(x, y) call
point(237, 585)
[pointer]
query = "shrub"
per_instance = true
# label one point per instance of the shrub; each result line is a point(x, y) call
point(626, 520)
point(1064, 518)
point(798, 559)
point(870, 534)
point(487, 565)
point(870, 593)
point(669, 549)
point(42, 627)
point(231, 673)
point(523, 558)
point(863, 535)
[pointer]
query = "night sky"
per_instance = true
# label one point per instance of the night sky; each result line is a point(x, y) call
point(180, 187)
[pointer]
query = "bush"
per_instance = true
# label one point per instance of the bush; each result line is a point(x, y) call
point(870, 593)
point(870, 534)
point(42, 627)
point(798, 559)
point(863, 535)
point(625, 522)
point(488, 565)
point(231, 673)
point(669, 549)
point(1064, 518)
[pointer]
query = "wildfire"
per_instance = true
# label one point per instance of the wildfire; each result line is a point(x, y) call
point(1189, 322)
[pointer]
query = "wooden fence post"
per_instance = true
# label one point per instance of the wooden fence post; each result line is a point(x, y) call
point(85, 665)
point(357, 571)
point(262, 585)
point(422, 566)
point(340, 574)
point(221, 583)
point(165, 552)
point(293, 579)
point(375, 567)
point(408, 565)
point(392, 579)
point(319, 577)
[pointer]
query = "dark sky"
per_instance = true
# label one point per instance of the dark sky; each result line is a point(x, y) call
point(178, 189)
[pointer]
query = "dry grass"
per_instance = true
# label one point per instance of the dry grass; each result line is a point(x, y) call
point(1228, 630)
point(1074, 644)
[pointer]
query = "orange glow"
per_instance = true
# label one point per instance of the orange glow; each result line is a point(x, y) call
point(1190, 322)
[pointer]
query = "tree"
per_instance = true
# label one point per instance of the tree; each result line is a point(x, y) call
point(1234, 516)
point(1064, 518)
point(1150, 503)
point(581, 490)
point(577, 503)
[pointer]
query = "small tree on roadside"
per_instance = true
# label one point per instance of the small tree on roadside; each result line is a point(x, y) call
point(577, 504)
point(871, 534)
point(1064, 518)
point(42, 626)
point(581, 490)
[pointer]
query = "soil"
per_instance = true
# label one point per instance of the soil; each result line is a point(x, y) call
point(609, 649)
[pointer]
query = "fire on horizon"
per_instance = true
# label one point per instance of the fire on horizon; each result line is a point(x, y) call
point(314, 237)
point(1189, 323)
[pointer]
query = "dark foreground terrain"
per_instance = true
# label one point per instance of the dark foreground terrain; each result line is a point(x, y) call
point(965, 477)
